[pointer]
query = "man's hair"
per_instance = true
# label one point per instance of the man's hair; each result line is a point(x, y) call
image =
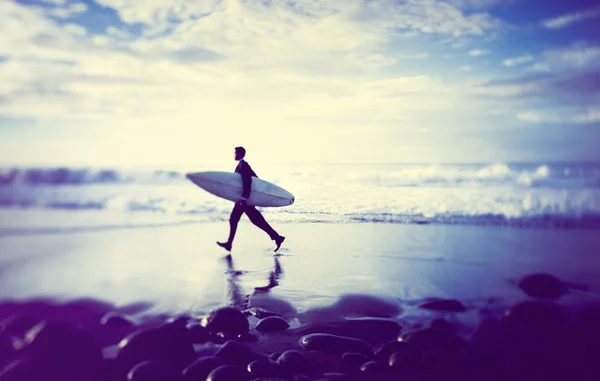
point(241, 149)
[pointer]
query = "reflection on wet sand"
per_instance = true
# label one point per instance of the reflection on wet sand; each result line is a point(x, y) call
point(235, 295)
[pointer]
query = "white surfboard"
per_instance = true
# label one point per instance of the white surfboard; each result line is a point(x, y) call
point(228, 185)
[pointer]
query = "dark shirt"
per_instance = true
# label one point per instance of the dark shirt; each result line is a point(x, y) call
point(247, 173)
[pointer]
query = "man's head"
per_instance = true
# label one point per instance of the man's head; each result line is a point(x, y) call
point(240, 152)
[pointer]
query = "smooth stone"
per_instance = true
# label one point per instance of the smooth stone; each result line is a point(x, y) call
point(65, 346)
point(115, 320)
point(543, 286)
point(536, 316)
point(17, 326)
point(264, 368)
point(428, 339)
point(352, 305)
point(197, 333)
point(384, 353)
point(403, 360)
point(278, 306)
point(206, 350)
point(229, 373)
point(335, 344)
point(369, 329)
point(31, 368)
point(272, 324)
point(293, 361)
point(374, 367)
point(302, 377)
point(351, 362)
point(169, 342)
point(109, 371)
point(236, 353)
point(201, 368)
point(227, 319)
point(332, 376)
point(366, 306)
point(247, 337)
point(6, 349)
point(323, 361)
point(222, 337)
point(445, 305)
point(152, 371)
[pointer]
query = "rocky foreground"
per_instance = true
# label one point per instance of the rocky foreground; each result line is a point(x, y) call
point(358, 338)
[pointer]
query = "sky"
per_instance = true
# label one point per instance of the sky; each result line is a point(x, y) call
point(180, 82)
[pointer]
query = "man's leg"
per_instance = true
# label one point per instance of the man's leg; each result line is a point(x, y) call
point(257, 219)
point(234, 219)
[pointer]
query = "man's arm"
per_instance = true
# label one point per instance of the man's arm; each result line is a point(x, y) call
point(246, 180)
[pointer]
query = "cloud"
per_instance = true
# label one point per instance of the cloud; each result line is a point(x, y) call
point(570, 18)
point(537, 117)
point(478, 52)
point(466, 68)
point(592, 116)
point(579, 55)
point(517, 60)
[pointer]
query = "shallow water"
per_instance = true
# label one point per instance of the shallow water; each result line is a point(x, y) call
point(181, 269)
point(536, 194)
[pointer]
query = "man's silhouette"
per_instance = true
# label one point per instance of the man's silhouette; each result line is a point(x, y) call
point(244, 169)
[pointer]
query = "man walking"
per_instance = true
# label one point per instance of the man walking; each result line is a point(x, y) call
point(241, 207)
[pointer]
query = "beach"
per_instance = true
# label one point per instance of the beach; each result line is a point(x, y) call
point(180, 268)
point(324, 271)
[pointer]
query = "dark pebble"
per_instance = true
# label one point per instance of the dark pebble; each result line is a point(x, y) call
point(66, 346)
point(228, 373)
point(201, 368)
point(536, 316)
point(222, 337)
point(17, 326)
point(197, 333)
point(302, 377)
point(208, 349)
point(169, 343)
point(108, 371)
point(374, 367)
point(272, 324)
point(335, 377)
point(428, 339)
point(264, 368)
point(236, 353)
point(404, 360)
point(293, 361)
point(384, 353)
point(351, 362)
point(6, 349)
point(30, 368)
point(445, 305)
point(227, 319)
point(247, 337)
point(115, 320)
point(543, 286)
point(152, 371)
point(335, 344)
point(370, 329)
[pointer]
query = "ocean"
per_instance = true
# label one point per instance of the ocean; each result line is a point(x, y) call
point(547, 195)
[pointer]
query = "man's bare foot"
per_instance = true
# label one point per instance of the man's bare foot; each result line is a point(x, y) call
point(279, 241)
point(225, 245)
